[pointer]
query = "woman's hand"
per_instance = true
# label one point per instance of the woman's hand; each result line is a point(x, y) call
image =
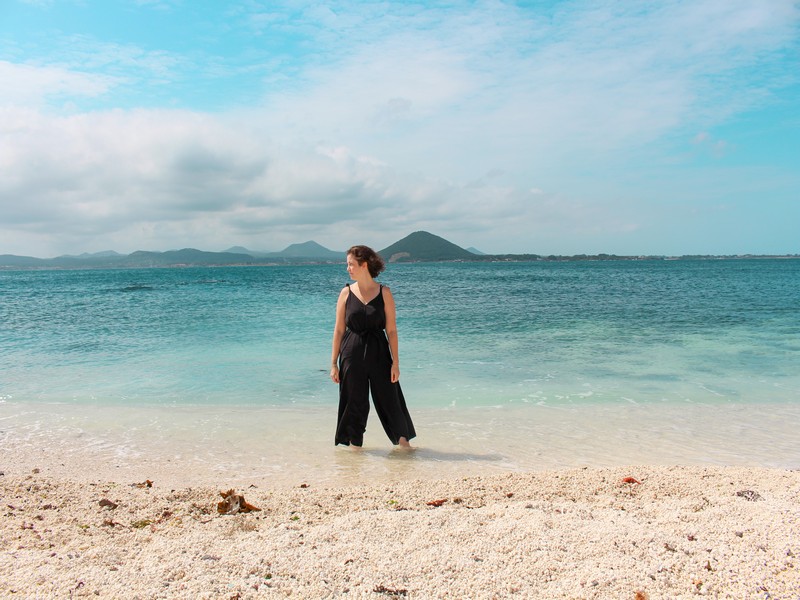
point(335, 374)
point(391, 332)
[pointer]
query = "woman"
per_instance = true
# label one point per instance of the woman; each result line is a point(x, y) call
point(365, 357)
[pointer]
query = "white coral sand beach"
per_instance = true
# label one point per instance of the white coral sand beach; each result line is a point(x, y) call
point(624, 532)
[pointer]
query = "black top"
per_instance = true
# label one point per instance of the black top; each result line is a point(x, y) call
point(360, 317)
point(365, 335)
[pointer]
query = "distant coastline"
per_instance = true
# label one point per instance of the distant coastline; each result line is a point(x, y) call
point(417, 247)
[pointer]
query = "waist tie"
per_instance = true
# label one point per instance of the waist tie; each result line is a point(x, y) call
point(375, 334)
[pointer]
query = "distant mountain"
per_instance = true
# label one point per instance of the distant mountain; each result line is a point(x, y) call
point(243, 250)
point(63, 262)
point(104, 254)
point(424, 246)
point(12, 260)
point(186, 256)
point(420, 246)
point(306, 250)
point(309, 249)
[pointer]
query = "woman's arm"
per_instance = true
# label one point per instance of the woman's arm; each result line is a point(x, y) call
point(338, 334)
point(391, 331)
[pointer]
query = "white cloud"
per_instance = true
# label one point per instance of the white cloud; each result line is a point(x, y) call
point(160, 179)
point(27, 85)
point(498, 88)
point(458, 118)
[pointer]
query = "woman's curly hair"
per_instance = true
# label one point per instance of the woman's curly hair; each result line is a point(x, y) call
point(365, 254)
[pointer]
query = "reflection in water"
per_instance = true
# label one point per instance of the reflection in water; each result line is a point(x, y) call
point(392, 463)
point(431, 454)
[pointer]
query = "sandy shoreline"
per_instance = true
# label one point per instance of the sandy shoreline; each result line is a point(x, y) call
point(683, 532)
point(533, 504)
point(270, 447)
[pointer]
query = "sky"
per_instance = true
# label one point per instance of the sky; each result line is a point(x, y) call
point(666, 127)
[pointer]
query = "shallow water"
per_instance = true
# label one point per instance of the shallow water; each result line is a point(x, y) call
point(188, 446)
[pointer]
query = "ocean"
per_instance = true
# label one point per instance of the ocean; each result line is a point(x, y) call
point(223, 372)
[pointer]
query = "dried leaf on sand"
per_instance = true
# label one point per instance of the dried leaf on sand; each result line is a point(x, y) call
point(233, 503)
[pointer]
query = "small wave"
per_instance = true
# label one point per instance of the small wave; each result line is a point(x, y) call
point(710, 391)
point(204, 282)
point(546, 377)
point(137, 287)
point(477, 362)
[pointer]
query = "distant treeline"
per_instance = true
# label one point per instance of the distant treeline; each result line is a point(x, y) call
point(597, 257)
point(420, 246)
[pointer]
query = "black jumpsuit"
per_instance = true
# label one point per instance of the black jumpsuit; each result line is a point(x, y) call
point(365, 363)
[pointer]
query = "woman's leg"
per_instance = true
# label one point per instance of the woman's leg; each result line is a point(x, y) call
point(353, 404)
point(392, 411)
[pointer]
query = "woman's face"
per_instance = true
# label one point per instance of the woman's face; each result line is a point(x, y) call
point(354, 268)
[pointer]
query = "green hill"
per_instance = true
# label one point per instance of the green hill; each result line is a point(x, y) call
point(424, 246)
point(310, 249)
point(186, 256)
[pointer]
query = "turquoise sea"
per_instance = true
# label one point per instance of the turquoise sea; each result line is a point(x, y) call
point(504, 366)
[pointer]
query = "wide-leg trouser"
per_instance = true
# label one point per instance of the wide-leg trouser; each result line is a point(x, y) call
point(360, 375)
